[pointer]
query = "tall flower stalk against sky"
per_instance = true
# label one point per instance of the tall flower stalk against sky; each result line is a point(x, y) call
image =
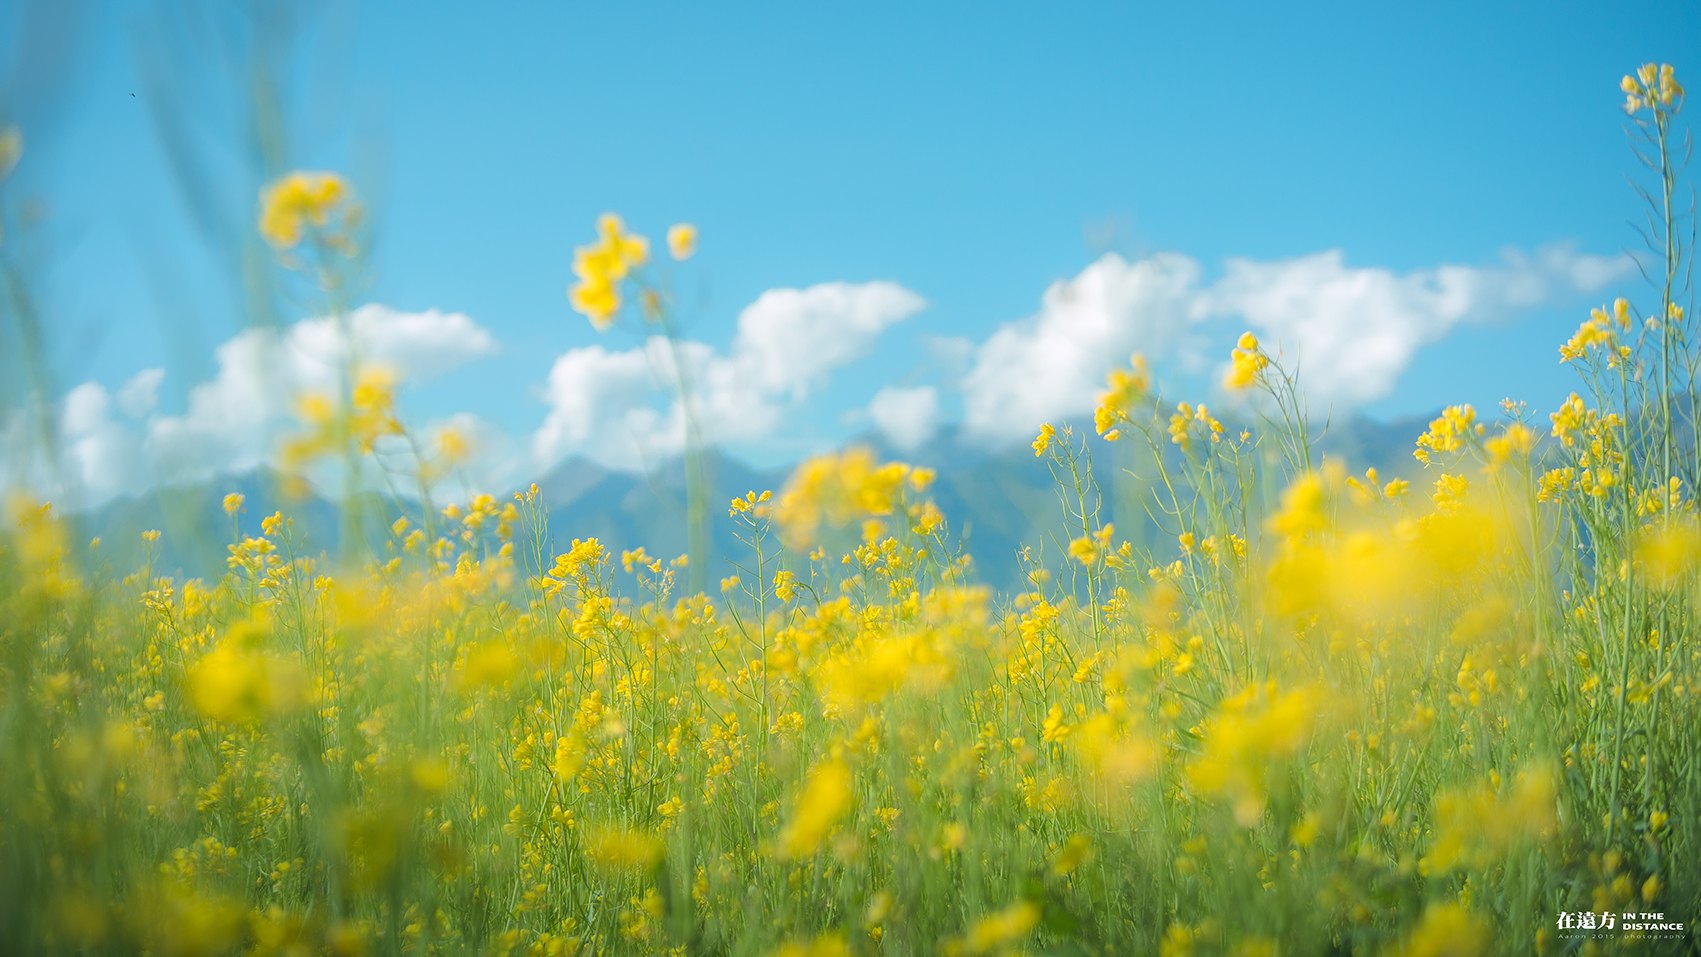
point(1653, 98)
point(312, 221)
point(604, 268)
point(1626, 457)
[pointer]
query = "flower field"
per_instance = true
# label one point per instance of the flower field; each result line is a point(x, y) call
point(1451, 711)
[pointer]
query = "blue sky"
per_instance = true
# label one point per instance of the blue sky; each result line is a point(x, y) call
point(972, 154)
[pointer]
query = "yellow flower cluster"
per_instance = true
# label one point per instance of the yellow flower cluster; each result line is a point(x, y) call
point(602, 265)
point(1653, 86)
point(824, 800)
point(1245, 363)
point(1572, 418)
point(997, 932)
point(1090, 550)
point(1446, 930)
point(681, 241)
point(301, 199)
point(1456, 425)
point(1477, 826)
point(1302, 509)
point(1042, 442)
point(1124, 387)
point(368, 416)
point(623, 851)
point(1255, 727)
point(238, 681)
point(1371, 488)
point(1669, 552)
point(1515, 441)
point(834, 489)
point(1600, 329)
point(1188, 420)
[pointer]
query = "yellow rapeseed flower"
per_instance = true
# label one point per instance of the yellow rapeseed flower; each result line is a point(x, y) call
point(1653, 86)
point(1077, 852)
point(299, 199)
point(827, 945)
point(1245, 362)
point(1669, 552)
point(430, 775)
point(1251, 729)
point(996, 932)
point(488, 664)
point(569, 756)
point(597, 298)
point(233, 684)
point(633, 249)
point(1476, 826)
point(601, 266)
point(825, 799)
point(834, 489)
point(619, 851)
point(1124, 387)
point(1447, 433)
point(1446, 930)
point(579, 560)
point(681, 241)
point(1515, 441)
point(1302, 509)
point(1054, 728)
point(1042, 442)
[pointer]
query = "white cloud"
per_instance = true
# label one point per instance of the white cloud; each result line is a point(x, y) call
point(1354, 330)
point(419, 345)
point(621, 407)
point(100, 454)
point(236, 420)
point(138, 396)
point(415, 345)
point(602, 403)
point(907, 417)
point(789, 338)
point(86, 408)
point(1052, 364)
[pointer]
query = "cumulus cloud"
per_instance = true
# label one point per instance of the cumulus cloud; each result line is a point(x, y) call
point(620, 407)
point(907, 417)
point(236, 420)
point(138, 396)
point(602, 403)
point(1052, 364)
point(100, 451)
point(1355, 330)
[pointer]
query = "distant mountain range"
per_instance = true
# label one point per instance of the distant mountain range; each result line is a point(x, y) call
point(996, 501)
